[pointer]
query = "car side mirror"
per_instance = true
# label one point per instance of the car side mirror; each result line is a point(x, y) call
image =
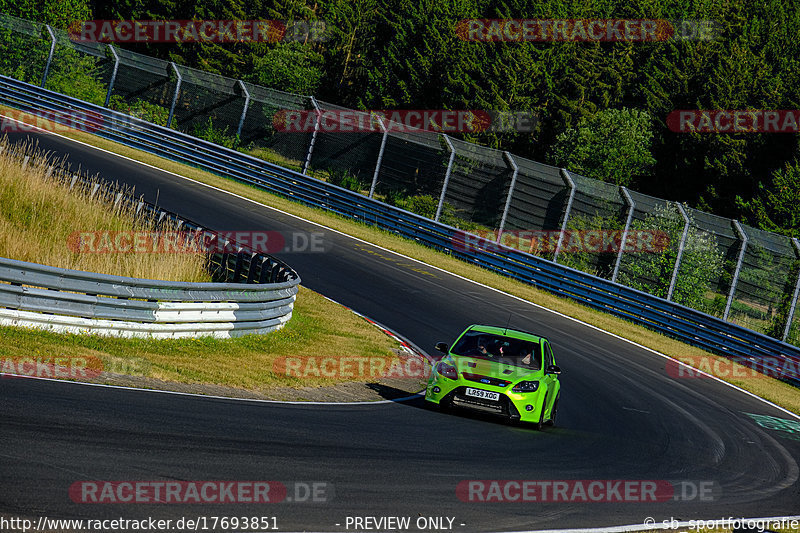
point(553, 369)
point(442, 347)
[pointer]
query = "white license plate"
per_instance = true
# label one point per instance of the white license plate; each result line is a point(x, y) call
point(485, 394)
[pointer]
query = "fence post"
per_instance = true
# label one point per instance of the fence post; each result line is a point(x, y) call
point(244, 111)
point(113, 75)
point(571, 184)
point(631, 206)
point(793, 305)
point(446, 177)
point(515, 168)
point(313, 135)
point(50, 56)
point(735, 281)
point(681, 247)
point(380, 157)
point(174, 96)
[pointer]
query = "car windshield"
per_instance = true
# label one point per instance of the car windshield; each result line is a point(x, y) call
point(505, 350)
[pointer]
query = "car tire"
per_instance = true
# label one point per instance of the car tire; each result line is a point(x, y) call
point(540, 424)
point(553, 413)
point(437, 407)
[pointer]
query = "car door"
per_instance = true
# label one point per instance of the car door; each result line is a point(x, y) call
point(551, 380)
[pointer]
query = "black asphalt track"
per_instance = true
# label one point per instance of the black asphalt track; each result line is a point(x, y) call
point(622, 415)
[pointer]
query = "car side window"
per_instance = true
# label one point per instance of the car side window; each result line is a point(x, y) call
point(548, 355)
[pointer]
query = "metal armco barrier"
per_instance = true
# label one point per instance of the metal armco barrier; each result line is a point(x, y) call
point(73, 301)
point(688, 325)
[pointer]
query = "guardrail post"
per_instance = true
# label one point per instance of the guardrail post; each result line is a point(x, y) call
point(446, 177)
point(515, 168)
point(571, 184)
point(380, 157)
point(735, 281)
point(244, 111)
point(174, 96)
point(631, 206)
point(251, 269)
point(263, 274)
point(50, 56)
point(274, 273)
point(237, 266)
point(317, 117)
point(793, 305)
point(681, 247)
point(113, 75)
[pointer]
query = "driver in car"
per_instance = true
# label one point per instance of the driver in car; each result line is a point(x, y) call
point(527, 359)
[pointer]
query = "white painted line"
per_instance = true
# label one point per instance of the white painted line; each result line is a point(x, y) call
point(651, 350)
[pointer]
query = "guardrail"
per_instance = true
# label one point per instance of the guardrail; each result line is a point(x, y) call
point(688, 325)
point(252, 293)
point(72, 301)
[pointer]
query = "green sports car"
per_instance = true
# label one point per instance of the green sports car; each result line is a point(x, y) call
point(498, 370)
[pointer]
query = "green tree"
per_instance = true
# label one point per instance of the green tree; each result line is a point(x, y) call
point(613, 146)
point(775, 206)
point(291, 67)
point(75, 74)
point(701, 262)
point(57, 13)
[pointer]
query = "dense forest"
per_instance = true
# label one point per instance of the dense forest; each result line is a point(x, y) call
point(602, 106)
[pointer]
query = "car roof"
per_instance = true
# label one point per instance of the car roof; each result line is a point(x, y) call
point(506, 332)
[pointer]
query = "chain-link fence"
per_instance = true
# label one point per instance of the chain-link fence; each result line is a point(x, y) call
point(80, 69)
point(412, 170)
point(261, 132)
point(143, 86)
point(345, 148)
point(24, 49)
point(710, 263)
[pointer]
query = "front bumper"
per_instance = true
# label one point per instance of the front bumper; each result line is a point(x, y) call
point(525, 407)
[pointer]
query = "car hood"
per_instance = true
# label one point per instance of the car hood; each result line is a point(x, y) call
point(492, 369)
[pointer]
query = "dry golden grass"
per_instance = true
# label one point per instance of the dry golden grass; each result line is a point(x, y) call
point(39, 214)
point(781, 393)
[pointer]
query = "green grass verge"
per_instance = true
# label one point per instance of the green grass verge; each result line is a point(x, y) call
point(770, 389)
point(318, 328)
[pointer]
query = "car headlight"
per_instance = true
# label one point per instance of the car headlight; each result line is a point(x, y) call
point(526, 386)
point(446, 370)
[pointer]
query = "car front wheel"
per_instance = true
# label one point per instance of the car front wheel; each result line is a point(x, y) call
point(554, 412)
point(540, 424)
